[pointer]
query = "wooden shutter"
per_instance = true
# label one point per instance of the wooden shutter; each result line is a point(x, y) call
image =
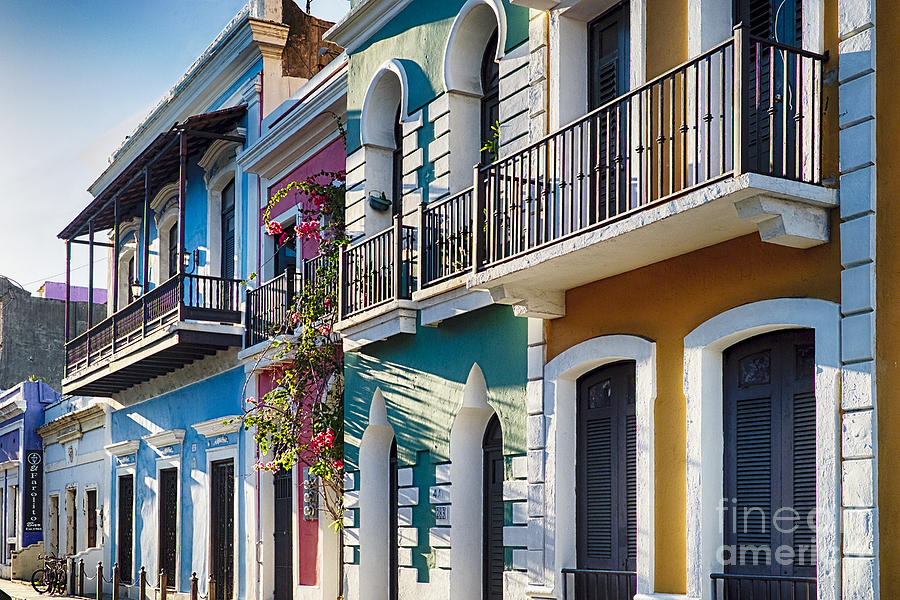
point(167, 500)
point(125, 527)
point(284, 529)
point(770, 455)
point(606, 519)
point(608, 48)
point(91, 518)
point(228, 231)
point(222, 521)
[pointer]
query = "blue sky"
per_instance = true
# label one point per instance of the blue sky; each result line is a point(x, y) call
point(78, 77)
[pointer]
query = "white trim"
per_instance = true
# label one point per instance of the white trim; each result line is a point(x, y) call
point(218, 426)
point(220, 454)
point(363, 21)
point(467, 479)
point(703, 349)
point(162, 463)
point(165, 438)
point(374, 492)
point(217, 183)
point(560, 396)
point(465, 45)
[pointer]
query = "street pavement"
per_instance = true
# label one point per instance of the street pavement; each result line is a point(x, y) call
point(19, 590)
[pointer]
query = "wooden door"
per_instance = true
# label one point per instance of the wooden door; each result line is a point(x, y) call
point(168, 524)
point(770, 451)
point(606, 515)
point(492, 537)
point(125, 527)
point(284, 531)
point(222, 519)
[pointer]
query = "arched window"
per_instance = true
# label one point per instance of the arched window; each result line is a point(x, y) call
point(228, 231)
point(493, 550)
point(490, 99)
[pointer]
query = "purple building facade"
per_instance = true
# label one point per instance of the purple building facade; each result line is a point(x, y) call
point(21, 469)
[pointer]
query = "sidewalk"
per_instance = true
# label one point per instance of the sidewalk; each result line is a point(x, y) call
point(19, 590)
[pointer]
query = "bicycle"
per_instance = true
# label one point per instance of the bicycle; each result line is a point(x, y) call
point(52, 578)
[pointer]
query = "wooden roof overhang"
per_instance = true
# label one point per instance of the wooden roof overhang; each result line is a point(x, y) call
point(159, 164)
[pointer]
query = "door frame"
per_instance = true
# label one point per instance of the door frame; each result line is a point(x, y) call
point(560, 398)
point(703, 390)
point(121, 472)
point(218, 455)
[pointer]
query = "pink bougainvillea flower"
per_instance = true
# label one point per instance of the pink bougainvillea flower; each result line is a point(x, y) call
point(324, 329)
point(327, 302)
point(308, 229)
point(274, 228)
point(283, 238)
point(251, 400)
point(295, 318)
point(339, 465)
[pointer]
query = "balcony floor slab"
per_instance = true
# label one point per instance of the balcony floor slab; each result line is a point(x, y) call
point(535, 282)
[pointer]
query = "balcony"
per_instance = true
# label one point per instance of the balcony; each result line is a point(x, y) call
point(724, 145)
point(270, 306)
point(594, 584)
point(170, 326)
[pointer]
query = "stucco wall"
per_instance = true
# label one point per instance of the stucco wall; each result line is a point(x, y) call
point(663, 303)
point(218, 396)
point(887, 292)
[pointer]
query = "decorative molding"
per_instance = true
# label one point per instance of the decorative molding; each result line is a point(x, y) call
point(378, 106)
point(363, 21)
point(13, 408)
point(219, 155)
point(165, 438)
point(218, 426)
point(123, 448)
point(73, 425)
point(466, 45)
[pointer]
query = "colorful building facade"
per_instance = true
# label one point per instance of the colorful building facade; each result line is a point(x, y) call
point(179, 218)
point(22, 476)
point(680, 205)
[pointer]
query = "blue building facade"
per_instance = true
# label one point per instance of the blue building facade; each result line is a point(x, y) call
point(182, 230)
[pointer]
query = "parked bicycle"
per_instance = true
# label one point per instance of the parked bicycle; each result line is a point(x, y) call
point(52, 578)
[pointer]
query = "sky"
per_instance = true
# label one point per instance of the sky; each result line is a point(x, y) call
point(78, 77)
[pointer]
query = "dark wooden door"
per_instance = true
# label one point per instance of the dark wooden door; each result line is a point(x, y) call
point(222, 517)
point(606, 469)
point(125, 527)
point(168, 524)
point(284, 534)
point(770, 451)
point(490, 98)
point(393, 531)
point(91, 518)
point(493, 551)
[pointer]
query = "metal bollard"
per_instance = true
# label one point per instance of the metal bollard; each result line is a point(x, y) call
point(143, 582)
point(211, 588)
point(195, 593)
point(115, 590)
point(81, 578)
point(163, 584)
point(71, 576)
point(99, 580)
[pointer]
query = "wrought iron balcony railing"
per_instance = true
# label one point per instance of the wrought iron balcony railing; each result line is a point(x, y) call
point(269, 306)
point(746, 105)
point(183, 297)
point(377, 270)
point(762, 587)
point(446, 240)
point(594, 584)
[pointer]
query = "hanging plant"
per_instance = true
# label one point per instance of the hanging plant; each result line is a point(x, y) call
point(301, 421)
